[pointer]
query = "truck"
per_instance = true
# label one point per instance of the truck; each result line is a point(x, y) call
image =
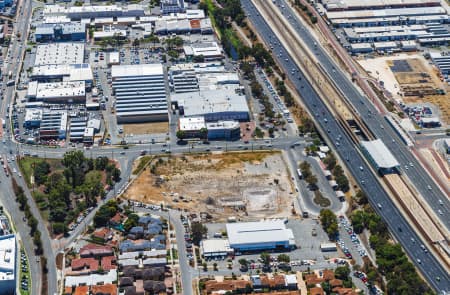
point(10, 83)
point(299, 173)
point(9, 74)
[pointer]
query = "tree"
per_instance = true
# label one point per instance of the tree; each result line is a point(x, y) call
point(198, 230)
point(205, 266)
point(265, 258)
point(203, 133)
point(342, 272)
point(74, 162)
point(215, 266)
point(243, 262)
point(181, 134)
point(284, 258)
point(329, 223)
point(41, 170)
point(131, 221)
point(311, 180)
point(330, 161)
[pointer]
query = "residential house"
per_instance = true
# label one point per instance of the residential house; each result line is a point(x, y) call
point(103, 234)
point(92, 250)
point(316, 291)
point(108, 289)
point(312, 280)
point(84, 264)
point(116, 219)
point(154, 287)
point(228, 285)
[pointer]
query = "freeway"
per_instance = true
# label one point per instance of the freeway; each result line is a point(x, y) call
point(434, 273)
point(375, 122)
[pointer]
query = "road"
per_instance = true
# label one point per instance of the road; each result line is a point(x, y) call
point(375, 122)
point(434, 273)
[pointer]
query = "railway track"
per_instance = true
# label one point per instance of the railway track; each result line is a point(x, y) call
point(307, 62)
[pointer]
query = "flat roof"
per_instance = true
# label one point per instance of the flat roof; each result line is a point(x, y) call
point(7, 257)
point(258, 232)
point(191, 123)
point(136, 70)
point(61, 89)
point(206, 49)
point(380, 153)
point(216, 246)
point(59, 53)
point(198, 103)
point(385, 12)
point(222, 125)
point(348, 4)
point(91, 280)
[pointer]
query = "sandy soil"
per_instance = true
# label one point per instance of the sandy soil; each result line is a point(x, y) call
point(213, 182)
point(146, 128)
point(393, 82)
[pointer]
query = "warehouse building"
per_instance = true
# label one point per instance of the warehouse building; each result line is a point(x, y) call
point(94, 11)
point(33, 118)
point(140, 93)
point(8, 272)
point(215, 105)
point(63, 72)
point(60, 92)
point(172, 6)
point(53, 125)
point(224, 130)
point(209, 51)
point(380, 156)
point(73, 31)
point(59, 53)
point(213, 248)
point(260, 236)
point(339, 5)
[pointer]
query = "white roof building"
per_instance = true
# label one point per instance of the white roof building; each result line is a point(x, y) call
point(215, 247)
point(380, 155)
point(8, 253)
point(210, 50)
point(59, 53)
point(91, 280)
point(191, 123)
point(61, 91)
point(259, 235)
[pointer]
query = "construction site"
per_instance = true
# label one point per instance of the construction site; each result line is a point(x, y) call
point(248, 186)
point(414, 81)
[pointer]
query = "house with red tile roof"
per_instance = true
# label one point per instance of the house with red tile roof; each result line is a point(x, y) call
point(87, 264)
point(213, 286)
point(312, 279)
point(104, 234)
point(92, 250)
point(81, 290)
point(108, 289)
point(108, 263)
point(316, 291)
point(116, 219)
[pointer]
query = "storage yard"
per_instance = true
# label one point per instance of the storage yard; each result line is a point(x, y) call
point(411, 80)
point(249, 186)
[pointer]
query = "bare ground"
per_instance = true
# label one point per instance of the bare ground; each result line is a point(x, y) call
point(146, 128)
point(222, 184)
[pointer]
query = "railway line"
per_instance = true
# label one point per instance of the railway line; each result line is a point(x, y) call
point(434, 233)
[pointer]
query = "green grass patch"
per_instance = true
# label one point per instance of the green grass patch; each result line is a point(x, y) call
point(26, 165)
point(320, 200)
point(22, 274)
point(143, 162)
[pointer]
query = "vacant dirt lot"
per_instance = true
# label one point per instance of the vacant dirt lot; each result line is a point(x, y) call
point(249, 186)
point(146, 128)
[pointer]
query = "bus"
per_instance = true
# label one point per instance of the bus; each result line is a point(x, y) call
point(299, 173)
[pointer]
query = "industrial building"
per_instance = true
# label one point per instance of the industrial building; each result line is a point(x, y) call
point(59, 53)
point(33, 118)
point(221, 130)
point(58, 92)
point(224, 130)
point(74, 31)
point(260, 236)
point(8, 273)
point(339, 5)
point(380, 156)
point(215, 248)
point(172, 6)
point(140, 93)
point(63, 72)
point(53, 125)
point(225, 104)
point(94, 11)
point(209, 51)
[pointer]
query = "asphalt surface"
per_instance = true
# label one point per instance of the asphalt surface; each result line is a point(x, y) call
point(428, 265)
point(375, 122)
